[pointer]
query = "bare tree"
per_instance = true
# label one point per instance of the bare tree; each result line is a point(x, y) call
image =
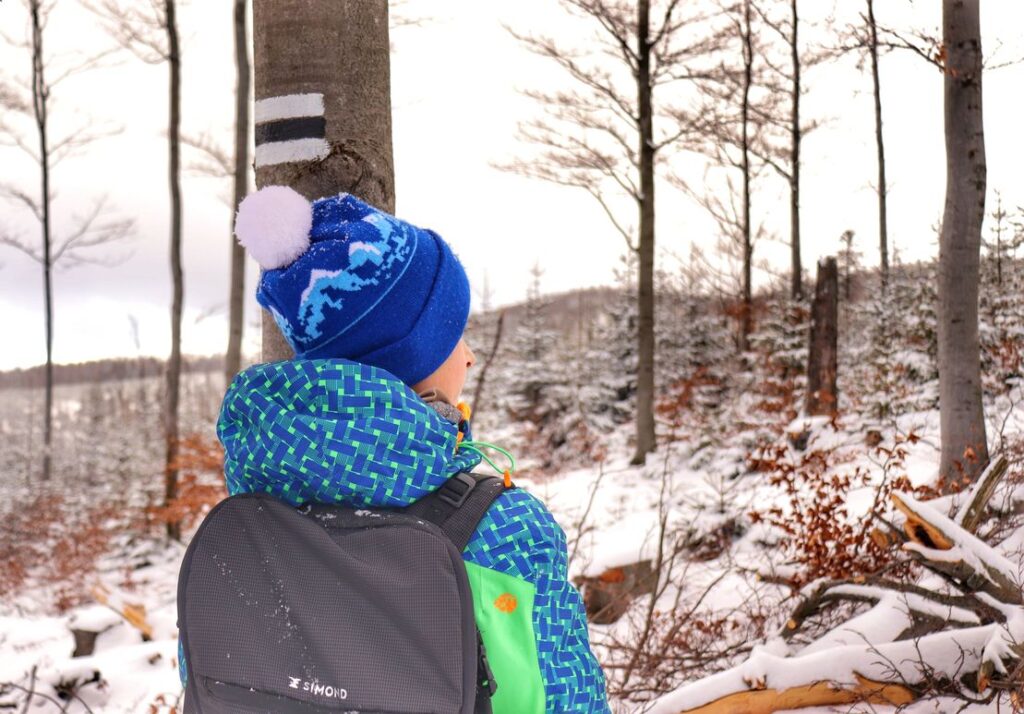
point(34, 102)
point(607, 133)
point(335, 107)
point(150, 31)
point(869, 40)
point(742, 109)
point(785, 79)
point(881, 188)
point(962, 417)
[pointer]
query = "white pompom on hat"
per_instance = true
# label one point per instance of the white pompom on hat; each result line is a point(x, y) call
point(273, 224)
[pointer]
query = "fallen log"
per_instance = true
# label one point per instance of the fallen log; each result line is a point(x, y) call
point(891, 673)
point(944, 547)
point(920, 603)
point(819, 694)
point(911, 642)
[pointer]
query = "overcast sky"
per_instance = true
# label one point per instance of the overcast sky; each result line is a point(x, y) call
point(455, 83)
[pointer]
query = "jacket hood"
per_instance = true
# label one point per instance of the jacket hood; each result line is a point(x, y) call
point(334, 431)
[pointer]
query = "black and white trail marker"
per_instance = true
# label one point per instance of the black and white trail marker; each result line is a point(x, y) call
point(290, 128)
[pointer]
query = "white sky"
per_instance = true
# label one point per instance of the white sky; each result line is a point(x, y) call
point(456, 108)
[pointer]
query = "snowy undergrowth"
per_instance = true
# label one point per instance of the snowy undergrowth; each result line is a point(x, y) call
point(731, 446)
point(690, 502)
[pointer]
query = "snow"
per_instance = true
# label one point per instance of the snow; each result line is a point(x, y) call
point(722, 567)
point(968, 549)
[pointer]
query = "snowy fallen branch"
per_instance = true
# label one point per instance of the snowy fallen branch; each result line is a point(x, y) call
point(133, 613)
point(912, 642)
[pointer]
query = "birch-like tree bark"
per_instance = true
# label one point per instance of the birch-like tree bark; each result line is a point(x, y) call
point(323, 106)
point(962, 418)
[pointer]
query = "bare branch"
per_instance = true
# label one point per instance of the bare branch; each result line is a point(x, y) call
point(595, 79)
point(13, 192)
point(215, 161)
point(627, 235)
point(93, 229)
point(12, 98)
point(85, 134)
point(20, 245)
point(614, 22)
point(138, 26)
point(84, 64)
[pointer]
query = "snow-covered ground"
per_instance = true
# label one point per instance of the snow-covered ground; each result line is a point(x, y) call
point(614, 515)
point(708, 513)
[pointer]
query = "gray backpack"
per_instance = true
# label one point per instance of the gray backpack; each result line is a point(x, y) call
point(332, 609)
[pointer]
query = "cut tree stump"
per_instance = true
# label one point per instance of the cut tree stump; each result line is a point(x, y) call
point(85, 642)
point(608, 596)
point(823, 350)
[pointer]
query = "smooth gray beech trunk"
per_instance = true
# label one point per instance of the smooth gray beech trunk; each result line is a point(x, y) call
point(236, 292)
point(964, 444)
point(340, 49)
point(645, 435)
point(883, 221)
point(823, 345)
point(173, 376)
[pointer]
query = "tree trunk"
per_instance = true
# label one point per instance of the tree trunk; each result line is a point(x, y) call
point(796, 279)
point(964, 445)
point(40, 98)
point(481, 380)
point(823, 345)
point(883, 221)
point(645, 434)
point(323, 79)
point(236, 294)
point(747, 324)
point(177, 280)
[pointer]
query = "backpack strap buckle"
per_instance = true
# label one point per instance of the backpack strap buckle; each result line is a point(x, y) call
point(456, 489)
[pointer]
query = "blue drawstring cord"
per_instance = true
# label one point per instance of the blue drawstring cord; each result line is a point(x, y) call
point(479, 446)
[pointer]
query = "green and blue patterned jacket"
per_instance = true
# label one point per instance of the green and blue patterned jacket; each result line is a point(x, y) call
point(333, 431)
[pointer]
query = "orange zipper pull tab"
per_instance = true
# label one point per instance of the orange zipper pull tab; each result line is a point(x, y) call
point(508, 479)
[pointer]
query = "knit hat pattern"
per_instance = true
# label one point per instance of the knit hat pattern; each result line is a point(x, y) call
point(343, 279)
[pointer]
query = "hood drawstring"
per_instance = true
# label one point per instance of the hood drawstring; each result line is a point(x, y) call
point(479, 446)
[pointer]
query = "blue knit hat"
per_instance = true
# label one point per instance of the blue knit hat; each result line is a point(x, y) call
point(343, 279)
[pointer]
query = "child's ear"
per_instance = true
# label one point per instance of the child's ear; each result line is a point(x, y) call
point(434, 395)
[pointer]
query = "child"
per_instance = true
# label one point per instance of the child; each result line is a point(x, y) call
point(375, 309)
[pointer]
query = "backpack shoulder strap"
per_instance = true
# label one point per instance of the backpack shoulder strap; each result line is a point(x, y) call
point(459, 504)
